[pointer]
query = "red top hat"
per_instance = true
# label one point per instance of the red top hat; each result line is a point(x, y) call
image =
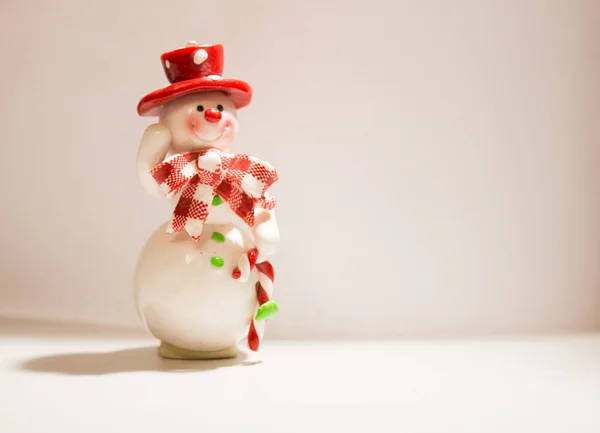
point(195, 68)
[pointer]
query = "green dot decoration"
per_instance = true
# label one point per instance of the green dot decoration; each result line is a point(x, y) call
point(267, 310)
point(217, 261)
point(218, 237)
point(217, 200)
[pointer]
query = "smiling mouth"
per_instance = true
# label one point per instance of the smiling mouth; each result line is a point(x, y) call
point(213, 139)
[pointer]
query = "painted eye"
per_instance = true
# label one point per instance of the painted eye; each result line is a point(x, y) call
point(200, 108)
point(220, 107)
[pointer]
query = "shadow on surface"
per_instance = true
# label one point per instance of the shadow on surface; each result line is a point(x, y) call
point(122, 361)
point(48, 329)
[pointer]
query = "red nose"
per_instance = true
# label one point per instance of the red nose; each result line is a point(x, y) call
point(212, 115)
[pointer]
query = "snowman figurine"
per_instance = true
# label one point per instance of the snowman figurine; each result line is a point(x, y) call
point(203, 283)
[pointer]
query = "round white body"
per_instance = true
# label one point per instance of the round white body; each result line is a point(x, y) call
point(184, 299)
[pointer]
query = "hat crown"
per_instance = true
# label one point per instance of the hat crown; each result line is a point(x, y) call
point(193, 61)
point(194, 68)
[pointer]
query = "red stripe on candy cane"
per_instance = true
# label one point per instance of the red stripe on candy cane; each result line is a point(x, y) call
point(253, 340)
point(261, 294)
point(252, 255)
point(266, 268)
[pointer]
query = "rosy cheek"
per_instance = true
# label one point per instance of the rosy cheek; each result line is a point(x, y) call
point(229, 128)
point(193, 124)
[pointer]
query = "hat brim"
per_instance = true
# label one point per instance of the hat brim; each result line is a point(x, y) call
point(238, 91)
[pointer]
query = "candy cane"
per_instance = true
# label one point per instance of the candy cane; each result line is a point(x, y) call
point(264, 287)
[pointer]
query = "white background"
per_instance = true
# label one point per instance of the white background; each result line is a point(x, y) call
point(438, 160)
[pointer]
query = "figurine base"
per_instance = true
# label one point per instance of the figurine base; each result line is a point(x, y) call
point(169, 351)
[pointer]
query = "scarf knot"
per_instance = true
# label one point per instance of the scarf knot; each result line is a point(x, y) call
point(239, 179)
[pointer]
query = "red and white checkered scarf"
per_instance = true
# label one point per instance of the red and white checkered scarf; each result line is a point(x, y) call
point(240, 180)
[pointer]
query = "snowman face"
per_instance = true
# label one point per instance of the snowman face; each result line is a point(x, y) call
point(199, 121)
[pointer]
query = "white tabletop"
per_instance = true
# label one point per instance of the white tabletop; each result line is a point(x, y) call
point(72, 379)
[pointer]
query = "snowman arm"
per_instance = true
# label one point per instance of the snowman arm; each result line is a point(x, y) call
point(265, 233)
point(154, 146)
